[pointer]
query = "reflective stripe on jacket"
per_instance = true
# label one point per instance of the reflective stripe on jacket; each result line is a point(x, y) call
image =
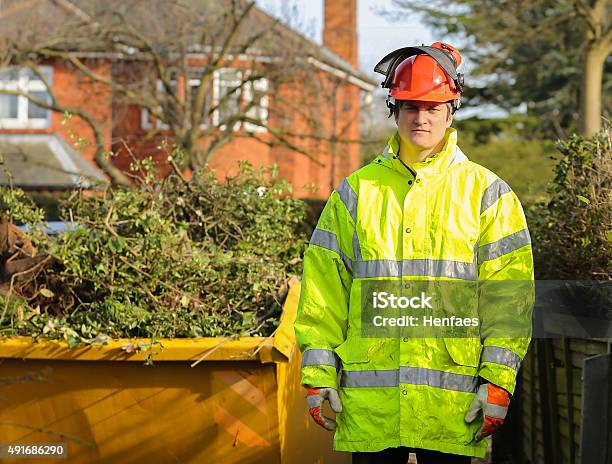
point(454, 220)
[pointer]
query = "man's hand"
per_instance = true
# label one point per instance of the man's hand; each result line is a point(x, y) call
point(315, 397)
point(493, 401)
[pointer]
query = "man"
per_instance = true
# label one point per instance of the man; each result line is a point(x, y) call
point(419, 212)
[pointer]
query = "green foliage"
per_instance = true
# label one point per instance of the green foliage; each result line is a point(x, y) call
point(522, 52)
point(571, 232)
point(49, 203)
point(19, 207)
point(510, 148)
point(169, 259)
point(482, 130)
point(376, 127)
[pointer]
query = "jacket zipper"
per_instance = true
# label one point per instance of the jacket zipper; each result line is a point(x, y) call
point(414, 174)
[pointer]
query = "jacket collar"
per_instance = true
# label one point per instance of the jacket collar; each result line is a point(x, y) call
point(435, 164)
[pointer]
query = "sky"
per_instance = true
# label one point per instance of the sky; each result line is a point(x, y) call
point(377, 35)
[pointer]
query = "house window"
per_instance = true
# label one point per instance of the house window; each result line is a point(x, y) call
point(234, 95)
point(227, 95)
point(16, 111)
point(194, 86)
point(256, 99)
point(149, 121)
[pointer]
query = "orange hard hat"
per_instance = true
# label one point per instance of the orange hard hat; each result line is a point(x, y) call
point(426, 73)
point(421, 77)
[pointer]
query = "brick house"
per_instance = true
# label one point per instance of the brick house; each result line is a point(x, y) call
point(45, 150)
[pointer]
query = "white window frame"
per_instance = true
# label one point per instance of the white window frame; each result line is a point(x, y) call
point(245, 96)
point(259, 111)
point(246, 93)
point(195, 82)
point(145, 117)
point(217, 95)
point(25, 84)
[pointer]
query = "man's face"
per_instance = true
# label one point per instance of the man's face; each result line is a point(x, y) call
point(423, 123)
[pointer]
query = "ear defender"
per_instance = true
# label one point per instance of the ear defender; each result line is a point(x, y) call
point(426, 73)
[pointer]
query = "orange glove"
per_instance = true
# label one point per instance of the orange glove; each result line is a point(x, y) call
point(315, 397)
point(493, 401)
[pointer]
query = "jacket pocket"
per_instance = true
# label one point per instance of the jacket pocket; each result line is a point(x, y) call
point(464, 351)
point(353, 351)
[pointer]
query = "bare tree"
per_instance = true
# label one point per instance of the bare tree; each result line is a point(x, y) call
point(596, 14)
point(202, 72)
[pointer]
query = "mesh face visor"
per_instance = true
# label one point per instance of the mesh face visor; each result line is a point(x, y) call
point(447, 62)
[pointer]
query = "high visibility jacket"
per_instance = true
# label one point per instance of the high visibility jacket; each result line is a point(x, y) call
point(454, 220)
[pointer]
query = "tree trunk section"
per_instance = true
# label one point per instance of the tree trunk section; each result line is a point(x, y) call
point(590, 90)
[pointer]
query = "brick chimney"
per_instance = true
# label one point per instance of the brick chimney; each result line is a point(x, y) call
point(340, 29)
